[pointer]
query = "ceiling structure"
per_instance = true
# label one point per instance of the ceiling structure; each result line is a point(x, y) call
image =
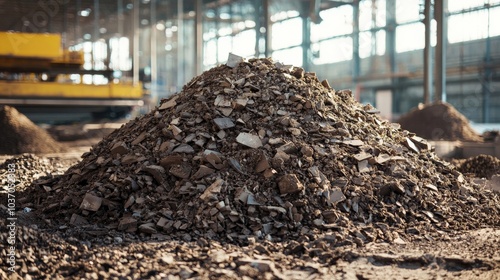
point(58, 16)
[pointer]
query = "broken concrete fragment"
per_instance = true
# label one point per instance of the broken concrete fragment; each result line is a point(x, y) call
point(91, 202)
point(334, 195)
point(127, 224)
point(262, 164)
point(129, 202)
point(233, 60)
point(169, 103)
point(184, 148)
point(354, 142)
point(181, 171)
point(431, 187)
point(78, 220)
point(148, 228)
point(250, 140)
point(202, 172)
point(362, 156)
point(139, 138)
point(382, 158)
point(318, 176)
point(175, 130)
point(157, 171)
point(289, 183)
point(224, 123)
point(170, 160)
point(213, 189)
point(364, 166)
point(119, 149)
point(411, 145)
point(214, 159)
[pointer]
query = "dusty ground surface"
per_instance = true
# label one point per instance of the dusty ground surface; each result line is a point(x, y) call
point(45, 252)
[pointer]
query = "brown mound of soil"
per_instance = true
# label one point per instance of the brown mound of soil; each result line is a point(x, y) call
point(481, 166)
point(20, 135)
point(439, 121)
point(264, 151)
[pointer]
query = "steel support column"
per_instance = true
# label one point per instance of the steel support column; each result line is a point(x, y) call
point(390, 43)
point(486, 83)
point(267, 26)
point(355, 43)
point(427, 53)
point(442, 34)
point(135, 42)
point(306, 34)
point(198, 37)
point(180, 44)
point(154, 52)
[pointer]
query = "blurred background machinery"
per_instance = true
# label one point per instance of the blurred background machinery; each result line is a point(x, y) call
point(44, 81)
point(394, 54)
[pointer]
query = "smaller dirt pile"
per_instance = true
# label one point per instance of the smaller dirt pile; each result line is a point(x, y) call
point(481, 166)
point(20, 135)
point(439, 121)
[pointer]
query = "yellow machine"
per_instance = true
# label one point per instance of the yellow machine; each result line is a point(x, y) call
point(33, 78)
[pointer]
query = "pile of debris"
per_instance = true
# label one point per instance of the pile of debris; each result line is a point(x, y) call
point(20, 135)
point(439, 121)
point(258, 149)
point(481, 166)
point(27, 168)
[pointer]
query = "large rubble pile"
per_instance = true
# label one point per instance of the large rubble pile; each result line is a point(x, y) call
point(29, 168)
point(481, 166)
point(20, 135)
point(439, 121)
point(258, 149)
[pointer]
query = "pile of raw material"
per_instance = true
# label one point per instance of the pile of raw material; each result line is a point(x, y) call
point(262, 150)
point(481, 166)
point(20, 135)
point(439, 121)
point(27, 168)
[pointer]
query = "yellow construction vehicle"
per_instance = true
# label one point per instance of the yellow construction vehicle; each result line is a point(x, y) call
point(35, 78)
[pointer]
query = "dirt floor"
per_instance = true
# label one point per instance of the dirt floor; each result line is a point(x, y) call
point(44, 251)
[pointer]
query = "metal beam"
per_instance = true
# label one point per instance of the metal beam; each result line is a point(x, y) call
point(267, 26)
point(135, 43)
point(154, 52)
point(355, 42)
point(427, 53)
point(486, 83)
point(198, 36)
point(442, 32)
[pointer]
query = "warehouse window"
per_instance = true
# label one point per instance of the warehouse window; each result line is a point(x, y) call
point(244, 43)
point(336, 21)
point(224, 48)
point(456, 6)
point(209, 51)
point(371, 14)
point(406, 34)
point(333, 50)
point(405, 37)
point(371, 43)
point(460, 27)
point(281, 32)
point(408, 10)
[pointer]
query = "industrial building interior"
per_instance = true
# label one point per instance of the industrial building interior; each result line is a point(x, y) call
point(250, 139)
point(377, 48)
